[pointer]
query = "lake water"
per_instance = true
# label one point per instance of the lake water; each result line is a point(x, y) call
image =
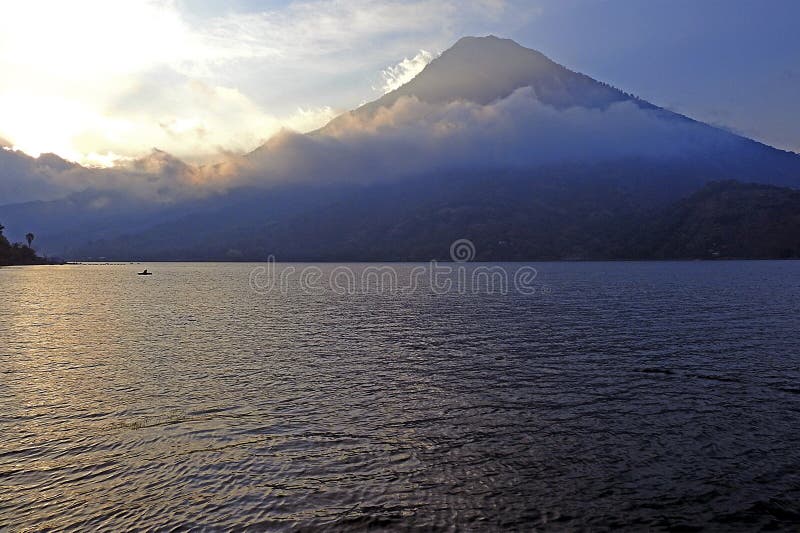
point(616, 395)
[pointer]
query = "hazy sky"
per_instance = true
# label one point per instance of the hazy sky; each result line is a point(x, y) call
point(98, 80)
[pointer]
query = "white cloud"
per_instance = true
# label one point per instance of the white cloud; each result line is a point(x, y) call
point(68, 68)
point(409, 138)
point(415, 138)
point(400, 74)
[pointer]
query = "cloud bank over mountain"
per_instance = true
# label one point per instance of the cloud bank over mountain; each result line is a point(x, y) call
point(519, 110)
point(411, 137)
point(486, 121)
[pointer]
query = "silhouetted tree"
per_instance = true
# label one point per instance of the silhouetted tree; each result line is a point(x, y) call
point(29, 237)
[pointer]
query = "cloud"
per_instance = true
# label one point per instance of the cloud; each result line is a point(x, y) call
point(409, 138)
point(417, 138)
point(69, 68)
point(400, 74)
point(26, 178)
point(189, 118)
point(319, 29)
point(158, 177)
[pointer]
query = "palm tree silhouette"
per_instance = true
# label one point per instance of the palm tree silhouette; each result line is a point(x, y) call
point(29, 237)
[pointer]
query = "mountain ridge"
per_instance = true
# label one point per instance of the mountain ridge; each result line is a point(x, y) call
point(598, 184)
point(451, 77)
point(520, 220)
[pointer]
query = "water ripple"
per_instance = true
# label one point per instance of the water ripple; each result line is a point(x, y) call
point(635, 396)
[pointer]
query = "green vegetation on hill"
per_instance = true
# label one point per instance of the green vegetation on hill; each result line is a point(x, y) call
point(508, 218)
point(728, 219)
point(18, 254)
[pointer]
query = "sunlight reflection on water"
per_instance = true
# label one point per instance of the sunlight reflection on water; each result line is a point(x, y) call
point(644, 395)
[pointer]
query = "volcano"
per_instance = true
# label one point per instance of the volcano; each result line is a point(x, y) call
point(491, 142)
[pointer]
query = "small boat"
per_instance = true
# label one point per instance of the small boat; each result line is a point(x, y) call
point(144, 273)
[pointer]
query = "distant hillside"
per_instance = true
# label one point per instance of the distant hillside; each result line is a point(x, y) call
point(729, 220)
point(517, 218)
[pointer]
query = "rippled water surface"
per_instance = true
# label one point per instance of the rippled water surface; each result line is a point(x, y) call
point(619, 395)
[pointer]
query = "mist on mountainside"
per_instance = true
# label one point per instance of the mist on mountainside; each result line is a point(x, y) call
point(486, 116)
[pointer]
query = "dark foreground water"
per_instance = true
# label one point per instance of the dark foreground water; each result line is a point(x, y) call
point(618, 395)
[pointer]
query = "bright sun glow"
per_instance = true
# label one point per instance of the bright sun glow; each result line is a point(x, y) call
point(96, 81)
point(65, 58)
point(195, 79)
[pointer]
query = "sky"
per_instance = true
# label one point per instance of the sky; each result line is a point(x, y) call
point(101, 82)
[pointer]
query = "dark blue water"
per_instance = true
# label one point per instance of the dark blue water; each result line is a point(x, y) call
point(629, 396)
